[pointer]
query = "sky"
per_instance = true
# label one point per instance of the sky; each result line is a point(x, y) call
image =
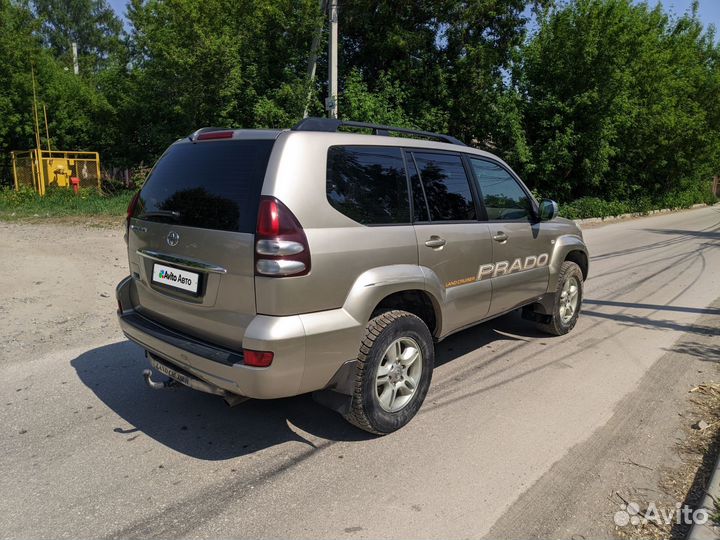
point(709, 9)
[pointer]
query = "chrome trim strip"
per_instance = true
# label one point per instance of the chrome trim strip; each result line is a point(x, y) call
point(181, 261)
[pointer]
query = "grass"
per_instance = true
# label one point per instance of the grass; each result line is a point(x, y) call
point(62, 203)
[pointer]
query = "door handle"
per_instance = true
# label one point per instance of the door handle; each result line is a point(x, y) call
point(435, 242)
point(500, 237)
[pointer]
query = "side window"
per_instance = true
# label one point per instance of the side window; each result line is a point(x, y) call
point(420, 208)
point(446, 187)
point(368, 184)
point(503, 197)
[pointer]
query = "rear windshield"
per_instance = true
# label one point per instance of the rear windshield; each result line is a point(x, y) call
point(209, 185)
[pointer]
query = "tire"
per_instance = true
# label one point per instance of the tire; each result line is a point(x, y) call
point(560, 322)
point(373, 407)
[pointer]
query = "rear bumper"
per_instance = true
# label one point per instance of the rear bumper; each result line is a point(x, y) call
point(308, 350)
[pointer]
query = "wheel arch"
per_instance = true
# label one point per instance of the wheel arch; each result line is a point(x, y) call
point(580, 258)
point(567, 247)
point(416, 301)
point(401, 287)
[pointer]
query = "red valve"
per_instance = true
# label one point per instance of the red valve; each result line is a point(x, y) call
point(75, 184)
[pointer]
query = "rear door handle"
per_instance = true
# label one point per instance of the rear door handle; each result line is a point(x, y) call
point(435, 242)
point(500, 237)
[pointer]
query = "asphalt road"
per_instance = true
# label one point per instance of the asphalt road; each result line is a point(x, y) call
point(516, 428)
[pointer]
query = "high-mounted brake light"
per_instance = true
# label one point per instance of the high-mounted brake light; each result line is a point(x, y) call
point(209, 135)
point(281, 247)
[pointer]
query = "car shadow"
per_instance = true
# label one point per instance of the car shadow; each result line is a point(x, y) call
point(196, 424)
point(204, 427)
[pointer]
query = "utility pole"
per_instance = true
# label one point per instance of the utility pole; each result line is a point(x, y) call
point(47, 129)
point(40, 184)
point(76, 67)
point(331, 101)
point(312, 60)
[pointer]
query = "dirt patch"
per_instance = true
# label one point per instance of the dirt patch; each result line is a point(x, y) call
point(58, 285)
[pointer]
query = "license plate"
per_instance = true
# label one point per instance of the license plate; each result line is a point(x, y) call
point(162, 368)
point(176, 278)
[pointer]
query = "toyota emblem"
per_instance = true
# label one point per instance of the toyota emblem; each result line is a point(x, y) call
point(173, 238)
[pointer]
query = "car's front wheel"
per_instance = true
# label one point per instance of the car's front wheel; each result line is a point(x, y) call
point(567, 301)
point(393, 374)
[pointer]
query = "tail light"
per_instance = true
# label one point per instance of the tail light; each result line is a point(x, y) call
point(131, 212)
point(281, 247)
point(257, 358)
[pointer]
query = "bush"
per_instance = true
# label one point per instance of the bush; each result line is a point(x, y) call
point(138, 176)
point(593, 207)
point(588, 207)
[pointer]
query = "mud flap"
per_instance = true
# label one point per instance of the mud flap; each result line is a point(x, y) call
point(539, 311)
point(337, 395)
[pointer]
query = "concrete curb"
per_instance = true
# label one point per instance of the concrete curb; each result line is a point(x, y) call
point(611, 219)
point(709, 531)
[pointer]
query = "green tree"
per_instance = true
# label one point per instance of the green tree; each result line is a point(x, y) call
point(383, 106)
point(78, 113)
point(451, 58)
point(17, 46)
point(217, 62)
point(91, 24)
point(620, 101)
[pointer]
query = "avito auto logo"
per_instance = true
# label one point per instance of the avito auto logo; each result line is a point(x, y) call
point(170, 276)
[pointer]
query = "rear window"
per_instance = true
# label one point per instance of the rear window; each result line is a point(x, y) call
point(368, 184)
point(209, 185)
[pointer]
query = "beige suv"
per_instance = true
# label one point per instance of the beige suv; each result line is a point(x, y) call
point(330, 257)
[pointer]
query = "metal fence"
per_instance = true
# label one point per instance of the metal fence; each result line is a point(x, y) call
point(55, 169)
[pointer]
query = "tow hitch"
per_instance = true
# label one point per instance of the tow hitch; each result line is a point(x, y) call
point(176, 379)
point(170, 383)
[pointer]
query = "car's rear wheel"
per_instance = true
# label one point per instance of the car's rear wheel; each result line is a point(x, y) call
point(568, 299)
point(393, 372)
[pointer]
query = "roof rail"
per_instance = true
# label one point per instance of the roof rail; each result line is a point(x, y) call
point(331, 125)
point(197, 132)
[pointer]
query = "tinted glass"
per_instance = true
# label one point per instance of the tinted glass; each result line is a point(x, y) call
point(503, 197)
point(368, 184)
point(420, 208)
point(446, 187)
point(210, 185)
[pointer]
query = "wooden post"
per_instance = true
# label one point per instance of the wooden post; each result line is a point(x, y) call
point(716, 186)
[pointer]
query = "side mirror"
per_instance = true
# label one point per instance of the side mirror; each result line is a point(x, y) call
point(548, 210)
